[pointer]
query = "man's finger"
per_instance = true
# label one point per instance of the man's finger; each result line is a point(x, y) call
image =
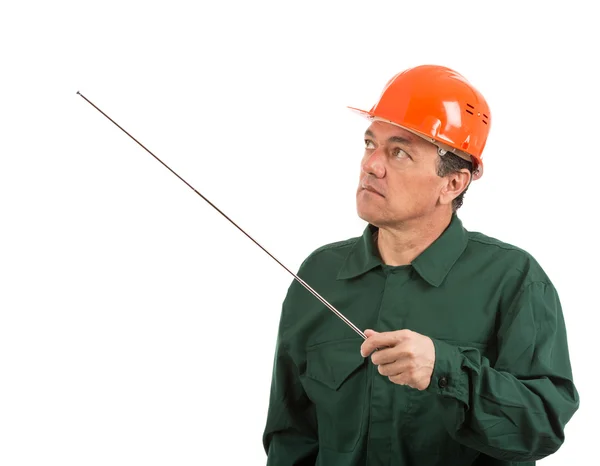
point(401, 379)
point(384, 356)
point(395, 368)
point(378, 340)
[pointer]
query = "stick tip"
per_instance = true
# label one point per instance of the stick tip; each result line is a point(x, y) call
point(78, 92)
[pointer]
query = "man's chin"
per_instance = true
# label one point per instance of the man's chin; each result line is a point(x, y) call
point(368, 216)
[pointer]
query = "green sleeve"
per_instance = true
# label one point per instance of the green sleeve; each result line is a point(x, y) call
point(290, 436)
point(517, 409)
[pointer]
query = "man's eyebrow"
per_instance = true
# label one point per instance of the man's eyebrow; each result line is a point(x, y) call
point(400, 140)
point(397, 139)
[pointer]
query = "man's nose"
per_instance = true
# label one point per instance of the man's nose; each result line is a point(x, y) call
point(374, 163)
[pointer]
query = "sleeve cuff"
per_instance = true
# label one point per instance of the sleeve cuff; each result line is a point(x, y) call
point(448, 378)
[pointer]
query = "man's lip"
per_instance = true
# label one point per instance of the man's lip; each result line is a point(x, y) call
point(369, 188)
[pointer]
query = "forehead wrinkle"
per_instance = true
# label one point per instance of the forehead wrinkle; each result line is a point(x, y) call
point(417, 146)
point(401, 140)
point(406, 138)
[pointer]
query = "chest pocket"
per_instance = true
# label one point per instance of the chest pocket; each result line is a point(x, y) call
point(336, 381)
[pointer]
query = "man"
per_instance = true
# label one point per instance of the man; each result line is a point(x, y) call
point(465, 360)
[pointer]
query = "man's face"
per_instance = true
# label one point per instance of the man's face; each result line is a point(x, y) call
point(398, 178)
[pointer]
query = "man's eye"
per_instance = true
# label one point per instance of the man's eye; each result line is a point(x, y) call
point(399, 153)
point(369, 144)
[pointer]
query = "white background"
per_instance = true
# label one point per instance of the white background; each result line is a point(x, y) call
point(137, 326)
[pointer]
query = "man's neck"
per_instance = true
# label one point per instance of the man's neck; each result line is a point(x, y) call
point(401, 244)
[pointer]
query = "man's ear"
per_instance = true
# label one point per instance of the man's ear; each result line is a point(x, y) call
point(455, 184)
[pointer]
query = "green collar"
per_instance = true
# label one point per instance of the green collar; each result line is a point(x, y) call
point(432, 265)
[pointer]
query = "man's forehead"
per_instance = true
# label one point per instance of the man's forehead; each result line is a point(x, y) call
point(381, 129)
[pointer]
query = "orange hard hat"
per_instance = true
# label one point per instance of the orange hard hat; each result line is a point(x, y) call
point(439, 105)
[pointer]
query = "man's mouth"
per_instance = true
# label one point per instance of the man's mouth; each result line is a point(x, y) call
point(371, 189)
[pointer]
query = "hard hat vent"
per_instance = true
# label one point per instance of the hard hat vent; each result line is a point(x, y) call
point(471, 111)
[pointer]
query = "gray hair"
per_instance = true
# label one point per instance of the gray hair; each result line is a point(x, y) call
point(451, 163)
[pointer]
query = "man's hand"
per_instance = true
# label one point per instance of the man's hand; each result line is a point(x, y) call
point(405, 357)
